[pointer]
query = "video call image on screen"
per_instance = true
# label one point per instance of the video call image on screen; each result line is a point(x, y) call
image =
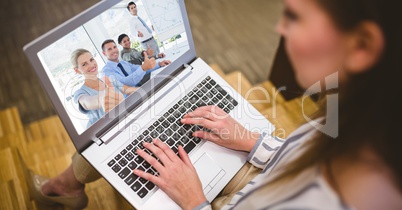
point(81, 88)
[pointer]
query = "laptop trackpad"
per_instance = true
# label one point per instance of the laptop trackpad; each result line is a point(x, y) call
point(208, 171)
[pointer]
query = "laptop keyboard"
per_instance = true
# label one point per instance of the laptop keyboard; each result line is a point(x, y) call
point(170, 130)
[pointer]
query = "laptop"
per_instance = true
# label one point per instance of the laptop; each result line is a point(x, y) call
point(153, 111)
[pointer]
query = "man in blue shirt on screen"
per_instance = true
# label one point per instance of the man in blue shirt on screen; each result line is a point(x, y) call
point(125, 72)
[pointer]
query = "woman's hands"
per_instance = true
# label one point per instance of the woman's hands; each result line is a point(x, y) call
point(177, 176)
point(225, 130)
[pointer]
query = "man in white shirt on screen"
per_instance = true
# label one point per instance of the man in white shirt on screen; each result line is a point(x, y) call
point(140, 28)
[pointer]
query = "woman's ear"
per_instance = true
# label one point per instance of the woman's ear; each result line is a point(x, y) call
point(365, 47)
point(76, 70)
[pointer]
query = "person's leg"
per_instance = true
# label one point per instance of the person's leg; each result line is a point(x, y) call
point(71, 181)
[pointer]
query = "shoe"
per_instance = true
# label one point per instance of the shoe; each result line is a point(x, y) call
point(79, 201)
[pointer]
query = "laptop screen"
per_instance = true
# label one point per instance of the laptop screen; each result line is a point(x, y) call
point(153, 26)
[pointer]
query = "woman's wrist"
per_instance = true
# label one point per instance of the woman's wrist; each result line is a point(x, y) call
point(193, 203)
point(252, 140)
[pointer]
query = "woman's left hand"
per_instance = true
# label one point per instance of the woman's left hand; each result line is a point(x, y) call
point(177, 176)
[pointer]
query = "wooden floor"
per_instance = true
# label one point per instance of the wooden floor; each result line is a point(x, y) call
point(237, 35)
point(44, 146)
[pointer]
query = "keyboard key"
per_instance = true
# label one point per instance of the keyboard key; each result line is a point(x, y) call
point(171, 110)
point(201, 104)
point(130, 179)
point(174, 127)
point(190, 146)
point(156, 123)
point(146, 165)
point(148, 139)
point(175, 150)
point(124, 173)
point(194, 99)
point(163, 137)
point(166, 115)
point(221, 90)
point(123, 152)
point(197, 140)
point(135, 142)
point(154, 134)
point(181, 131)
point(175, 106)
point(171, 119)
point(111, 163)
point(187, 105)
point(142, 193)
point(123, 162)
point(178, 144)
point(184, 140)
point(136, 186)
point(118, 156)
point(145, 133)
point(169, 131)
point(160, 129)
point(204, 90)
point(129, 156)
point(232, 100)
point(138, 160)
point(177, 114)
point(182, 109)
point(212, 82)
point(150, 185)
point(129, 147)
point(132, 165)
point(170, 142)
point(176, 136)
point(214, 91)
point(200, 93)
point(142, 180)
point(165, 124)
point(116, 168)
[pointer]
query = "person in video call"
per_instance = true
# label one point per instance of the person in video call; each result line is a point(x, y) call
point(350, 42)
point(125, 72)
point(140, 29)
point(129, 54)
point(96, 97)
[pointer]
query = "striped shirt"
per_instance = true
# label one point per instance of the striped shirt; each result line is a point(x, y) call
point(308, 190)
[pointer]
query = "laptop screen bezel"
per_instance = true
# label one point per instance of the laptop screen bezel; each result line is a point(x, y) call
point(87, 138)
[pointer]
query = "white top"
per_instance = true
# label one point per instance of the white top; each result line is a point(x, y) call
point(308, 190)
point(135, 26)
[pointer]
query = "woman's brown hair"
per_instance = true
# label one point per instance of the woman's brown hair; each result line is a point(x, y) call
point(370, 111)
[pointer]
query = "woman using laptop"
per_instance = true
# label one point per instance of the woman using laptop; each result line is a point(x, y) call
point(354, 42)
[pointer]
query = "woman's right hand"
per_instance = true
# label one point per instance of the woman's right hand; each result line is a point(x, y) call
point(225, 130)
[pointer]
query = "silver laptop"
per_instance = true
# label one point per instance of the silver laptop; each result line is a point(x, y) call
point(153, 111)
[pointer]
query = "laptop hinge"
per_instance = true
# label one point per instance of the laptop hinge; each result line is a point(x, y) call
point(188, 66)
point(98, 141)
